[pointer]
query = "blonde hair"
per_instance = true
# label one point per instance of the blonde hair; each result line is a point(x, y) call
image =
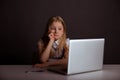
point(62, 43)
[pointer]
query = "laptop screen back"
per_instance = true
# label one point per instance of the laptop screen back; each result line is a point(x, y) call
point(85, 55)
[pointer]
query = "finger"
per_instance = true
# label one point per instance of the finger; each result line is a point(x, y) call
point(51, 36)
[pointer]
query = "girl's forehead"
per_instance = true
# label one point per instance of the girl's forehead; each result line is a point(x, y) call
point(56, 24)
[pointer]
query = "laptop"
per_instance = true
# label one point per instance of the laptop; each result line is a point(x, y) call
point(85, 55)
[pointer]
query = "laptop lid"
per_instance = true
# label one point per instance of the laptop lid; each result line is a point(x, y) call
point(85, 55)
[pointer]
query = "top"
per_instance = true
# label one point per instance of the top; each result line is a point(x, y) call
point(58, 55)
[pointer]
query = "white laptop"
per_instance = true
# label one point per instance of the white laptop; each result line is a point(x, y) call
point(85, 55)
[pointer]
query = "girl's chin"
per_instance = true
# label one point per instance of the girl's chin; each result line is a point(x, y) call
point(57, 38)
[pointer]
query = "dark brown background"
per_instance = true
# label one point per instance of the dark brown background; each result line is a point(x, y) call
point(22, 23)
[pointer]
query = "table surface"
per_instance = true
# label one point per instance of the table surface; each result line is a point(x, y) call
point(18, 72)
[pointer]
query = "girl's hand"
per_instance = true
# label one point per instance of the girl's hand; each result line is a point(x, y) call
point(52, 35)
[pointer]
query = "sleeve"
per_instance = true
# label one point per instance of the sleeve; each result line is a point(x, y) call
point(40, 46)
point(36, 55)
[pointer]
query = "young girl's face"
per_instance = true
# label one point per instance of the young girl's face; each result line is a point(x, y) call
point(57, 29)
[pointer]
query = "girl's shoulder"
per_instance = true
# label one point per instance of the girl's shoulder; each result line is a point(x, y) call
point(68, 41)
point(40, 42)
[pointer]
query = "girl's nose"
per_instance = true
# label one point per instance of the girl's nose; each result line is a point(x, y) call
point(56, 30)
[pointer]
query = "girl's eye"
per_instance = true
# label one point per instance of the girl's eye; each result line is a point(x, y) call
point(59, 29)
point(52, 28)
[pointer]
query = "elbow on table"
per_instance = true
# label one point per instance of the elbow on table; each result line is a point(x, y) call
point(43, 60)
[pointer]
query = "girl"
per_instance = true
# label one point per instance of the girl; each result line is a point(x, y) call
point(53, 47)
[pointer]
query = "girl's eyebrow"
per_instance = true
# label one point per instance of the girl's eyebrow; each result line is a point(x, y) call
point(55, 27)
point(52, 26)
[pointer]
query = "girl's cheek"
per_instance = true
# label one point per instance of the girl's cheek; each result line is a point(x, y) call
point(52, 31)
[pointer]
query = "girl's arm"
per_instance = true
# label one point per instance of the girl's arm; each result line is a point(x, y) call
point(63, 61)
point(44, 56)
